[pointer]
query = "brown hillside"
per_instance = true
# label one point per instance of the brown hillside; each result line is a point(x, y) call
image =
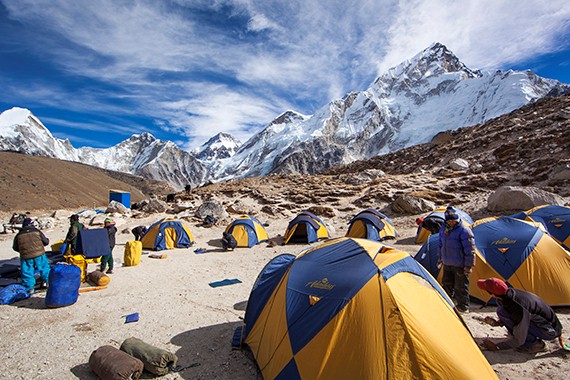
point(41, 183)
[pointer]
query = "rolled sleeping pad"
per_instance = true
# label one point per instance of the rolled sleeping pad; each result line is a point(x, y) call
point(156, 360)
point(64, 282)
point(99, 278)
point(110, 363)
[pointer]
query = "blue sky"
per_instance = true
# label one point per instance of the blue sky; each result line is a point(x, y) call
point(98, 71)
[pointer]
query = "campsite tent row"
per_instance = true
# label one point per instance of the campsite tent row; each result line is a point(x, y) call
point(249, 231)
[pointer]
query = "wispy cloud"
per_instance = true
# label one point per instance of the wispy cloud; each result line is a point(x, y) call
point(201, 67)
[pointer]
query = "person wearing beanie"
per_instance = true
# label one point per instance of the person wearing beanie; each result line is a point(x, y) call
point(73, 232)
point(457, 254)
point(108, 260)
point(30, 242)
point(527, 317)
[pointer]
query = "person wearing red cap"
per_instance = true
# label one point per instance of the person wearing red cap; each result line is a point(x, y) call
point(526, 316)
point(457, 254)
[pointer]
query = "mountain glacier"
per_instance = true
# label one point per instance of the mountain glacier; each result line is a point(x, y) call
point(409, 104)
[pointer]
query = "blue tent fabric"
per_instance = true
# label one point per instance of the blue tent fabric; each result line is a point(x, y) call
point(93, 243)
point(304, 219)
point(373, 218)
point(264, 285)
point(428, 255)
point(555, 219)
point(335, 284)
point(522, 236)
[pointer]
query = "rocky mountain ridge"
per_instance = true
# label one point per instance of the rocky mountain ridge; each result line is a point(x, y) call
point(432, 92)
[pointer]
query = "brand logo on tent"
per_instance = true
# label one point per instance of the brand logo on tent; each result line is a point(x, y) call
point(320, 284)
point(504, 241)
point(557, 222)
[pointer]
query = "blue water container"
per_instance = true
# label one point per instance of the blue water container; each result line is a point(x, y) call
point(64, 282)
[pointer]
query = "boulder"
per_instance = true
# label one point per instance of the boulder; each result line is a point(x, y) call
point(561, 172)
point(409, 204)
point(213, 208)
point(458, 164)
point(362, 177)
point(521, 198)
point(238, 207)
point(154, 205)
point(118, 207)
point(323, 211)
point(182, 206)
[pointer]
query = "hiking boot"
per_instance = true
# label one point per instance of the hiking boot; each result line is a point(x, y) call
point(539, 346)
point(463, 309)
point(110, 271)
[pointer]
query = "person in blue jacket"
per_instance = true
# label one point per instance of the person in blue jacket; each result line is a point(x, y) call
point(457, 254)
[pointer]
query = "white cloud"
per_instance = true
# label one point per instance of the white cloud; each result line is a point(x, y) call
point(482, 33)
point(203, 67)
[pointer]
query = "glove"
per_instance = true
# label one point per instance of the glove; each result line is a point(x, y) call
point(467, 270)
point(439, 264)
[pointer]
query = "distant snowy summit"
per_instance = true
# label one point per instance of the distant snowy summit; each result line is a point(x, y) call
point(408, 105)
point(220, 146)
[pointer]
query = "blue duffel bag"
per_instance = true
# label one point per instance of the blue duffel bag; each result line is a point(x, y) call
point(13, 293)
point(64, 283)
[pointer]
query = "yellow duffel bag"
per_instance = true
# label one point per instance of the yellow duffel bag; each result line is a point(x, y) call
point(133, 253)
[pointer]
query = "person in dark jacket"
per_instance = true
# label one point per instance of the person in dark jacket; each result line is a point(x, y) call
point(228, 241)
point(30, 242)
point(526, 316)
point(139, 232)
point(73, 232)
point(457, 254)
point(112, 230)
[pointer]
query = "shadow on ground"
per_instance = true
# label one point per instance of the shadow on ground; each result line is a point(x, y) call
point(209, 351)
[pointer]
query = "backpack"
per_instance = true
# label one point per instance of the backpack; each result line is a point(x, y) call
point(210, 220)
point(229, 241)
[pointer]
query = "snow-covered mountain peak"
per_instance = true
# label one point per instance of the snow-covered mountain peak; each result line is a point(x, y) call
point(222, 145)
point(436, 60)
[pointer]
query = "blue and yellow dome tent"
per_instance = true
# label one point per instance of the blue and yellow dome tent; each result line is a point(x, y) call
point(516, 251)
point(434, 220)
point(371, 224)
point(354, 308)
point(556, 220)
point(248, 231)
point(305, 228)
point(167, 233)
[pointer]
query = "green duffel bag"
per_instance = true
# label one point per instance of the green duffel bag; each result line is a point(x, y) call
point(155, 360)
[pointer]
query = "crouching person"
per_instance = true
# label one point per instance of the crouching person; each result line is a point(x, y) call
point(30, 242)
point(228, 241)
point(526, 316)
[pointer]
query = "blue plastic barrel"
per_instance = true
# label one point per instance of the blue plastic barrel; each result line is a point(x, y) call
point(64, 282)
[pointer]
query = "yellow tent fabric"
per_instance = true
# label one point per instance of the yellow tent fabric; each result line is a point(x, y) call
point(168, 233)
point(248, 231)
point(356, 309)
